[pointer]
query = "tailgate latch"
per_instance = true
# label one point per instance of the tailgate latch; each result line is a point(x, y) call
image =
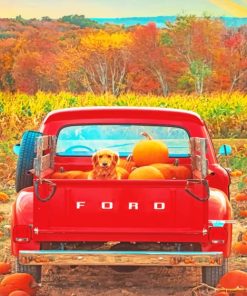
point(198, 189)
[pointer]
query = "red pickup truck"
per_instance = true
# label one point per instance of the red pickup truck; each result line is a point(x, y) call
point(121, 223)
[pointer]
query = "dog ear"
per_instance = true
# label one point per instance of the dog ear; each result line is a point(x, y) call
point(115, 158)
point(95, 159)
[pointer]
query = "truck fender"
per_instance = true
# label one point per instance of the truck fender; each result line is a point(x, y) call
point(22, 214)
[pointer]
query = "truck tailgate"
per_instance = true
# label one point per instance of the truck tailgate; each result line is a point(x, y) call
point(121, 210)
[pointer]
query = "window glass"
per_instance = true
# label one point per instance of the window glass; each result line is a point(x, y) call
point(84, 140)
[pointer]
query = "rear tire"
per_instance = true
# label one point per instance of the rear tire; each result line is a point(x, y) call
point(34, 270)
point(212, 275)
point(25, 160)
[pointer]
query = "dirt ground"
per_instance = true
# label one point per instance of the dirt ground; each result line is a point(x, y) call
point(103, 281)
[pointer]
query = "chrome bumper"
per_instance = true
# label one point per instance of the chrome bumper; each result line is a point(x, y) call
point(138, 258)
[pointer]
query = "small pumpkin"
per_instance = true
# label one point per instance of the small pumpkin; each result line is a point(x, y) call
point(76, 175)
point(149, 151)
point(240, 248)
point(243, 213)
point(19, 293)
point(70, 175)
point(244, 236)
point(234, 279)
point(4, 197)
point(165, 168)
point(241, 196)
point(5, 267)
point(181, 172)
point(236, 173)
point(19, 281)
point(123, 172)
point(127, 163)
point(145, 173)
point(221, 293)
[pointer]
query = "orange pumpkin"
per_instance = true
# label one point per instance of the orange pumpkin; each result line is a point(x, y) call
point(241, 196)
point(127, 164)
point(165, 169)
point(4, 197)
point(6, 290)
point(5, 267)
point(149, 151)
point(76, 175)
point(236, 173)
point(19, 281)
point(19, 293)
point(145, 173)
point(69, 175)
point(234, 279)
point(57, 175)
point(243, 213)
point(240, 248)
point(181, 172)
point(123, 172)
point(244, 236)
point(221, 293)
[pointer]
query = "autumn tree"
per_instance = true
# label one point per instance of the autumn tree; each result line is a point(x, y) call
point(7, 55)
point(195, 42)
point(105, 58)
point(35, 63)
point(150, 56)
point(236, 56)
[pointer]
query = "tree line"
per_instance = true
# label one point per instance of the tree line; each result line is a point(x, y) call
point(190, 55)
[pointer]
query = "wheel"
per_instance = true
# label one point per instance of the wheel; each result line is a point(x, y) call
point(212, 275)
point(34, 270)
point(25, 160)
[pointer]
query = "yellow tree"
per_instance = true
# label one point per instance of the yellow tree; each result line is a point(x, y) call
point(105, 58)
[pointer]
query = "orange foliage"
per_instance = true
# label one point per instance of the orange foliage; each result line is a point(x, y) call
point(53, 56)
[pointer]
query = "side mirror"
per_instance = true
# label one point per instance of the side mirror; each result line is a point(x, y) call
point(225, 150)
point(16, 149)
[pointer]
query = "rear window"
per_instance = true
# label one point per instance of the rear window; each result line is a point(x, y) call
point(84, 140)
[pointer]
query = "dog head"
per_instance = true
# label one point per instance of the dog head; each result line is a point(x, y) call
point(105, 159)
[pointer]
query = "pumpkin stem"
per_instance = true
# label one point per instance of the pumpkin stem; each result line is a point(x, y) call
point(146, 135)
point(129, 158)
point(176, 162)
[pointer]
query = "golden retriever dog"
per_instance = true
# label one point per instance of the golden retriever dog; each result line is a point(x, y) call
point(104, 165)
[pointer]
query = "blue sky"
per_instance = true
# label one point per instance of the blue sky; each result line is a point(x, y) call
point(121, 8)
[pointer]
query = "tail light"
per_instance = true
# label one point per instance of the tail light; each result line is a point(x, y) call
point(22, 233)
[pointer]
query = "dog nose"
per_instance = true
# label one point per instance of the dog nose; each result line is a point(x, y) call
point(104, 164)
